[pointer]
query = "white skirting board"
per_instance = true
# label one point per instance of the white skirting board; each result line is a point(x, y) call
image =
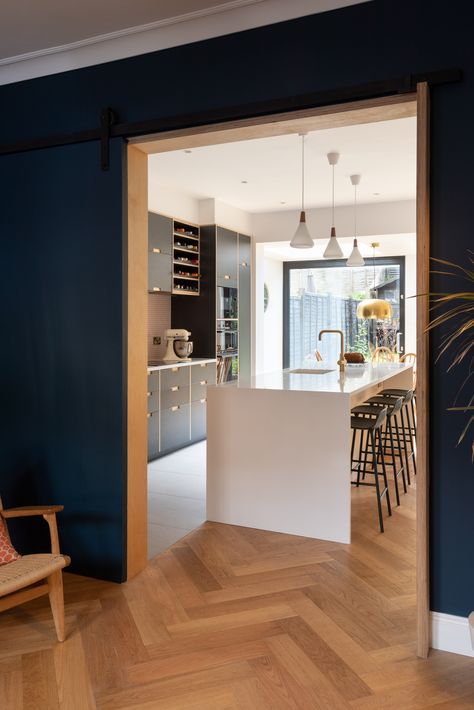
point(451, 633)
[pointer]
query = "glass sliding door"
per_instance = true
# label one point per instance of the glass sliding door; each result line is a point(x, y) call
point(321, 294)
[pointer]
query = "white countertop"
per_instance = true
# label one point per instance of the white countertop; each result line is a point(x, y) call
point(166, 364)
point(355, 379)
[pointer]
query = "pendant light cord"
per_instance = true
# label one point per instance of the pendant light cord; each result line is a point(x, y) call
point(333, 195)
point(302, 172)
point(355, 211)
point(373, 261)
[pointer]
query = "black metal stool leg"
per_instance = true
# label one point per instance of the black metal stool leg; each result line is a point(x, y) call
point(399, 445)
point(384, 473)
point(377, 484)
point(394, 463)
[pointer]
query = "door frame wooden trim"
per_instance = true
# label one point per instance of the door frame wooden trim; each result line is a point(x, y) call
point(136, 339)
point(369, 110)
point(422, 382)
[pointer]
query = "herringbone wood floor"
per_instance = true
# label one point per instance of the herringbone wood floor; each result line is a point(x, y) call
point(232, 618)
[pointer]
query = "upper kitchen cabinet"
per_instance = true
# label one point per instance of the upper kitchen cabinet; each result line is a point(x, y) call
point(160, 233)
point(245, 313)
point(226, 257)
point(159, 272)
point(160, 238)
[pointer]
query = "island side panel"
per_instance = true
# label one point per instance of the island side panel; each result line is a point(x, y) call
point(279, 461)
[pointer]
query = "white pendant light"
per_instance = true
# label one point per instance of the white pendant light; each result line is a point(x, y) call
point(333, 250)
point(355, 258)
point(302, 238)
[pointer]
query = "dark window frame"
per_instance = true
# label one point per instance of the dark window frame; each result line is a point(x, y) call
point(333, 263)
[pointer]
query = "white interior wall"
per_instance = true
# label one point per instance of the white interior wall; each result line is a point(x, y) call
point(216, 212)
point(272, 345)
point(373, 219)
point(173, 203)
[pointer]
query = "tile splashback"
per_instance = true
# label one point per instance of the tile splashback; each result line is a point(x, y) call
point(159, 319)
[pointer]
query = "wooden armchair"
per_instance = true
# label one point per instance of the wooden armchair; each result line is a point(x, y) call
point(34, 575)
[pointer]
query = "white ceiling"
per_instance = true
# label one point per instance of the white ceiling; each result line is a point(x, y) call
point(29, 25)
point(383, 153)
point(39, 37)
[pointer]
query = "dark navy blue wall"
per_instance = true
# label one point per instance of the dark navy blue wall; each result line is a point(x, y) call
point(61, 354)
point(377, 40)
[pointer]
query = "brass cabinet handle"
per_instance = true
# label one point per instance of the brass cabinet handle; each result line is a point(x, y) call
point(175, 408)
point(174, 369)
point(244, 263)
point(156, 250)
point(203, 401)
point(148, 394)
point(226, 276)
point(148, 415)
point(175, 388)
point(203, 364)
point(156, 288)
point(203, 382)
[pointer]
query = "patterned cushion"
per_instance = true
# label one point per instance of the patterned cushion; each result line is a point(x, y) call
point(7, 551)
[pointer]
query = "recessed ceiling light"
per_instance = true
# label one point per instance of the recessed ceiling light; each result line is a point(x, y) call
point(282, 203)
point(244, 182)
point(376, 193)
point(188, 151)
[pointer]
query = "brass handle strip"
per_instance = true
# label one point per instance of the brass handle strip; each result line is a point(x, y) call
point(156, 288)
point(156, 251)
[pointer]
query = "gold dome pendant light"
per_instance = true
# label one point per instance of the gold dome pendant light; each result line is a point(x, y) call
point(355, 258)
point(333, 249)
point(374, 308)
point(302, 238)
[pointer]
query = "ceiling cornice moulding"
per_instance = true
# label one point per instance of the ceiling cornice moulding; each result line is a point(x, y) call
point(234, 16)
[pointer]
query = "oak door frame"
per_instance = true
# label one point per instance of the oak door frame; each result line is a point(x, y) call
point(422, 353)
point(369, 110)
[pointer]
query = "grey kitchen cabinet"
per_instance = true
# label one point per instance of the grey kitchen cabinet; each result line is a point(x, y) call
point(198, 420)
point(153, 398)
point(245, 306)
point(177, 406)
point(159, 272)
point(153, 435)
point(175, 428)
point(160, 233)
point(226, 257)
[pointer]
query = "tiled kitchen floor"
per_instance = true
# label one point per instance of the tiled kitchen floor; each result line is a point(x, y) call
point(176, 496)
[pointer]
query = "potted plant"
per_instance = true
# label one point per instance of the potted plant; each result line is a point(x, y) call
point(457, 309)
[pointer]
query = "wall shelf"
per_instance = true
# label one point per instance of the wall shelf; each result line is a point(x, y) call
point(186, 240)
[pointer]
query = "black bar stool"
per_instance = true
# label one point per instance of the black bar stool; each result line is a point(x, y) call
point(392, 443)
point(407, 426)
point(371, 426)
point(412, 401)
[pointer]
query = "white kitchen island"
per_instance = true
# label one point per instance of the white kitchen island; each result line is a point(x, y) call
point(278, 447)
